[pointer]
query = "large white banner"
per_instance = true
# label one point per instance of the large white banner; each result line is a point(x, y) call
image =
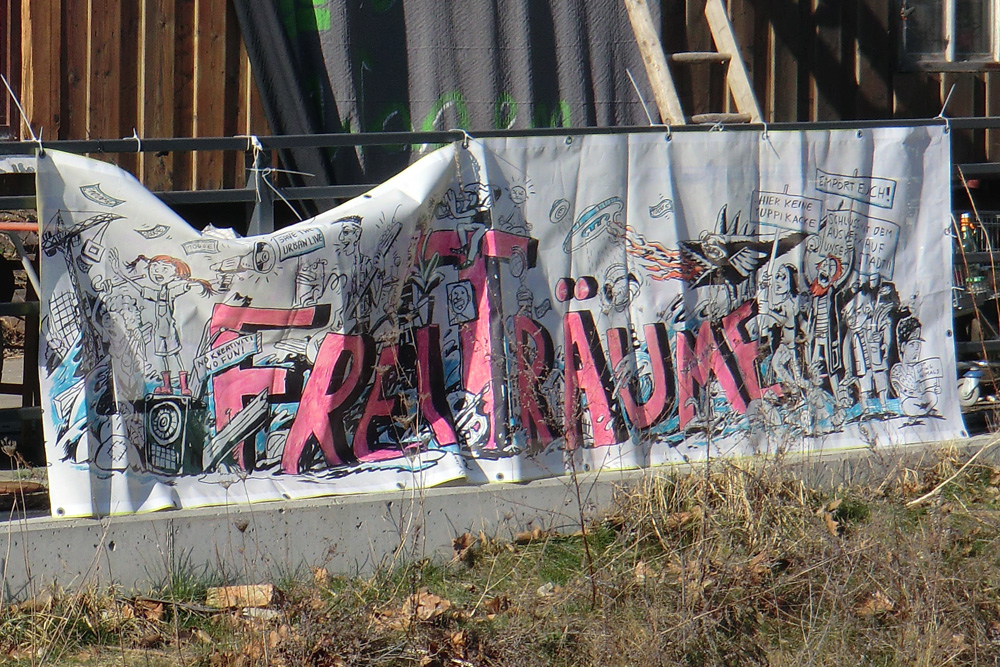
point(500, 311)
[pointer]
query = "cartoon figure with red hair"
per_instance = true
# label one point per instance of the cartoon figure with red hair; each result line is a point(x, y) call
point(166, 279)
point(823, 353)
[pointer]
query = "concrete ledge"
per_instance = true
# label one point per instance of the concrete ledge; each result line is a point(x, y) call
point(357, 534)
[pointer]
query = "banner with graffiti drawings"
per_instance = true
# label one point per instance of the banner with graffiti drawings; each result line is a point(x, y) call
point(501, 311)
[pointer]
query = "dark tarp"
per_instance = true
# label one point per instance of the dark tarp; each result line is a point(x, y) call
point(395, 65)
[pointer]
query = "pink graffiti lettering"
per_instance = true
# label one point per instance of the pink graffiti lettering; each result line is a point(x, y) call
point(379, 409)
point(234, 386)
point(534, 361)
point(482, 367)
point(342, 370)
point(655, 408)
point(727, 353)
point(587, 376)
point(430, 385)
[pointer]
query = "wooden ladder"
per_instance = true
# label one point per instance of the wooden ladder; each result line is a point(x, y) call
point(727, 51)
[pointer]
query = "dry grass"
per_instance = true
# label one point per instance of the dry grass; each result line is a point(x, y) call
point(736, 566)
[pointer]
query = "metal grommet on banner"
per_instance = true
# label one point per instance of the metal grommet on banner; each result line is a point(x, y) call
point(670, 133)
point(718, 127)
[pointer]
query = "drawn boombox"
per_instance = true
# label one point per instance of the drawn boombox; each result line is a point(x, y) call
point(171, 447)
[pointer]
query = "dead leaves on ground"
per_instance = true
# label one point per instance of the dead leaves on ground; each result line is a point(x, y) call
point(826, 511)
point(496, 605)
point(876, 604)
point(678, 520)
point(467, 547)
point(529, 536)
point(264, 645)
point(420, 607)
point(148, 608)
point(427, 608)
point(463, 546)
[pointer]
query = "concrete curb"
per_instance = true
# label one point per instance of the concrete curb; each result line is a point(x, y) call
point(358, 534)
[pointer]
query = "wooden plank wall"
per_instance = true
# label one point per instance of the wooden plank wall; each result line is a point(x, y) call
point(836, 60)
point(10, 63)
point(99, 69)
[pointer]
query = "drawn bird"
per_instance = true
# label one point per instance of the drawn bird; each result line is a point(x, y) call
point(733, 253)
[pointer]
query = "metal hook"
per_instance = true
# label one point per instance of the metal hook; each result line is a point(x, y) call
point(24, 117)
point(718, 127)
point(466, 137)
point(138, 140)
point(253, 143)
point(941, 116)
point(946, 100)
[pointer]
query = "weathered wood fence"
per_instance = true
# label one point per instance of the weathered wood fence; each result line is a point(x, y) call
point(99, 69)
point(838, 60)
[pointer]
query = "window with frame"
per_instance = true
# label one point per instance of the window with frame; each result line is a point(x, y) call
point(949, 34)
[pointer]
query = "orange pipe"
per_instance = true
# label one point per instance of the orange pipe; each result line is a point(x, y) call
point(18, 226)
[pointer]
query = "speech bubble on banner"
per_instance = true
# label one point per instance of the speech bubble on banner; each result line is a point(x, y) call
point(837, 232)
point(872, 190)
point(201, 246)
point(662, 208)
point(299, 242)
point(876, 245)
point(786, 211)
point(228, 354)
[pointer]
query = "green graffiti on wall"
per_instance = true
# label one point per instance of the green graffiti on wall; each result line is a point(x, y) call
point(545, 116)
point(450, 100)
point(304, 16)
point(504, 112)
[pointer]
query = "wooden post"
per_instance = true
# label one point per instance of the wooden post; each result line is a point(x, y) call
point(156, 90)
point(667, 102)
point(209, 81)
point(40, 65)
point(104, 86)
